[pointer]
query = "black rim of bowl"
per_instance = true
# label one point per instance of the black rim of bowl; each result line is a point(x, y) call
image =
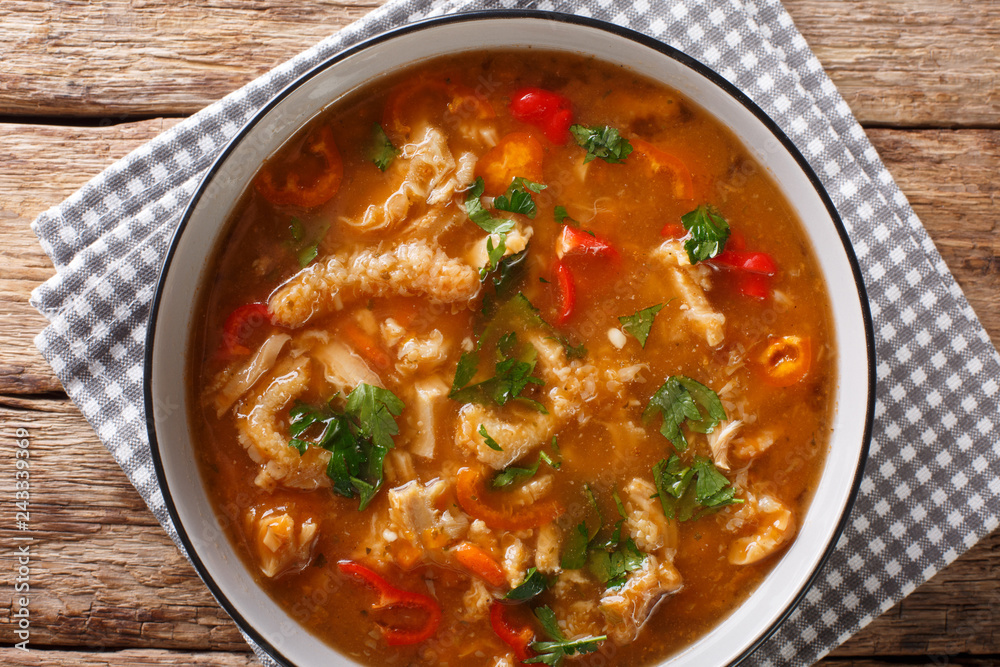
point(626, 33)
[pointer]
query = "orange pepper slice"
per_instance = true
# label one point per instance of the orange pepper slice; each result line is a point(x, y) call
point(786, 360)
point(661, 161)
point(480, 563)
point(460, 101)
point(308, 179)
point(516, 154)
point(470, 493)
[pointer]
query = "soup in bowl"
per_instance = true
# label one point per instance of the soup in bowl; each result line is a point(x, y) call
point(510, 356)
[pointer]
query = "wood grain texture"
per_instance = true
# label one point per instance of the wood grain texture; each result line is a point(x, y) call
point(920, 62)
point(138, 658)
point(107, 576)
point(126, 658)
point(40, 165)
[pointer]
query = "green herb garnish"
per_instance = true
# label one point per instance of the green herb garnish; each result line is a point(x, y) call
point(611, 567)
point(305, 252)
point(709, 232)
point(490, 442)
point(639, 324)
point(562, 216)
point(602, 142)
point(512, 374)
point(678, 401)
point(511, 474)
point(358, 438)
point(534, 584)
point(517, 198)
point(381, 151)
point(554, 652)
point(479, 215)
point(574, 555)
point(683, 500)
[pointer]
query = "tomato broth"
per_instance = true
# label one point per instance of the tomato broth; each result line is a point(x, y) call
point(512, 356)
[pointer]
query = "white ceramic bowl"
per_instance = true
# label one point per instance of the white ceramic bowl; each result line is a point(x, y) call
point(203, 224)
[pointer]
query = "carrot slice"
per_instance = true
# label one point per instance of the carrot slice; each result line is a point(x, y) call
point(366, 346)
point(516, 154)
point(663, 162)
point(480, 563)
point(470, 494)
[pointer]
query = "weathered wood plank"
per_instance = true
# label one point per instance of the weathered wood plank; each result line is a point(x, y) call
point(104, 572)
point(40, 165)
point(918, 62)
point(139, 657)
point(127, 658)
point(950, 176)
point(120, 58)
point(107, 577)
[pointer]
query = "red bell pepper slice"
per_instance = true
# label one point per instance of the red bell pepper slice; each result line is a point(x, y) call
point(567, 292)
point(240, 324)
point(519, 639)
point(470, 494)
point(309, 179)
point(752, 270)
point(673, 230)
point(574, 241)
point(390, 597)
point(548, 111)
point(754, 262)
point(754, 285)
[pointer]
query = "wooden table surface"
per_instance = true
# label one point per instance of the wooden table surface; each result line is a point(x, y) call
point(82, 83)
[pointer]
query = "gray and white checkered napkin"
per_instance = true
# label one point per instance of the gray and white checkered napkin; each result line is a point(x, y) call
point(932, 484)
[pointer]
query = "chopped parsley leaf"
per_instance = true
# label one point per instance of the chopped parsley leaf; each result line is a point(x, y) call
point(709, 232)
point(376, 409)
point(512, 374)
point(494, 255)
point(479, 215)
point(518, 199)
point(381, 151)
point(357, 438)
point(639, 324)
point(602, 142)
point(683, 500)
point(562, 216)
point(611, 567)
point(574, 555)
point(511, 474)
point(490, 442)
point(554, 652)
point(678, 401)
point(534, 584)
